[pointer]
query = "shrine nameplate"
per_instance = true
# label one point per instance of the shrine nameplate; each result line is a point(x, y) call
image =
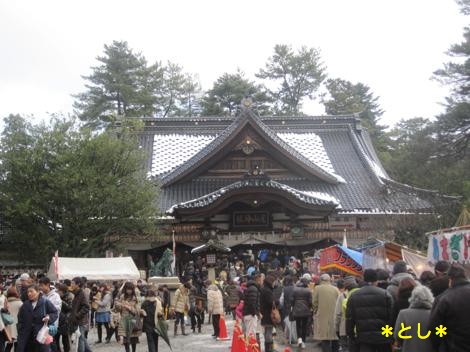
point(251, 219)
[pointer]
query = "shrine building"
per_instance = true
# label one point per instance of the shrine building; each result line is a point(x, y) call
point(297, 182)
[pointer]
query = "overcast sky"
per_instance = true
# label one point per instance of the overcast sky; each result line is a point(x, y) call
point(391, 46)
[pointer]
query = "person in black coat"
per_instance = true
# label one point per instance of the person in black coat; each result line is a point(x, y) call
point(67, 298)
point(301, 303)
point(368, 310)
point(452, 309)
point(33, 314)
point(251, 307)
point(151, 306)
point(441, 282)
point(267, 302)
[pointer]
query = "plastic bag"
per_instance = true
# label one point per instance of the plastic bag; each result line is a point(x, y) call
point(43, 336)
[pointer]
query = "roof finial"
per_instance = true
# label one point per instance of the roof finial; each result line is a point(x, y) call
point(247, 102)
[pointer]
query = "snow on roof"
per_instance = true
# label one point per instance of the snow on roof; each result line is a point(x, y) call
point(173, 150)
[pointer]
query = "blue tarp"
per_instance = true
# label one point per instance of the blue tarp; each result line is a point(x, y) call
point(355, 255)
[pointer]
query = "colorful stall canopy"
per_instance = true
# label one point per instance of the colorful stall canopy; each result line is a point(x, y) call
point(450, 244)
point(342, 258)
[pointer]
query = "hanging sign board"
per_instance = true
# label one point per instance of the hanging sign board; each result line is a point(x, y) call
point(342, 222)
point(451, 245)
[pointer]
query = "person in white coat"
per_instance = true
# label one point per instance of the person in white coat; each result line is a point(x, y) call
point(215, 306)
point(14, 305)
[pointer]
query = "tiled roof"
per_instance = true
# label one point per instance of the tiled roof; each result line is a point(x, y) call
point(307, 197)
point(335, 145)
point(311, 147)
point(315, 166)
point(172, 150)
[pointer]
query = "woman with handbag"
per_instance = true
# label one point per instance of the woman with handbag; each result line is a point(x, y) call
point(103, 312)
point(14, 305)
point(35, 312)
point(269, 312)
point(130, 325)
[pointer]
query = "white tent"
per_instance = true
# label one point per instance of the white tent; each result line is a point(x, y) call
point(120, 268)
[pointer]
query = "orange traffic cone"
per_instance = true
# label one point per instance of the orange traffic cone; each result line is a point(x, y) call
point(222, 330)
point(253, 344)
point(238, 339)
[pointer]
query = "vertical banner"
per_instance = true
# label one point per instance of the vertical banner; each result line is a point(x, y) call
point(56, 263)
point(173, 263)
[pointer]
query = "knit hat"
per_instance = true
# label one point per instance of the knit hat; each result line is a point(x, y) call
point(307, 277)
point(325, 277)
point(24, 276)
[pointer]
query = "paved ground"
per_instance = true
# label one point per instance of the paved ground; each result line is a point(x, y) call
point(192, 343)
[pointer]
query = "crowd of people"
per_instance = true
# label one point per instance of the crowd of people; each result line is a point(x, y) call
point(70, 308)
point(341, 313)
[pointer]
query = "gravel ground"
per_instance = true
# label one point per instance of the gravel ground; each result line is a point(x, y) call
point(202, 342)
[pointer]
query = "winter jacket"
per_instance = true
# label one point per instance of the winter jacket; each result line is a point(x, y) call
point(368, 310)
point(439, 285)
point(14, 305)
point(181, 299)
point(55, 299)
point(80, 308)
point(65, 311)
point(129, 308)
point(266, 304)
point(452, 310)
point(30, 320)
point(419, 312)
point(192, 296)
point(401, 303)
point(252, 299)
point(324, 304)
point(340, 318)
point(215, 301)
point(104, 305)
point(395, 282)
point(288, 298)
point(301, 301)
point(150, 306)
point(233, 295)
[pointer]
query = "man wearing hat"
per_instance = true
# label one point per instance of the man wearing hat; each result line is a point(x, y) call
point(368, 310)
point(325, 296)
point(22, 288)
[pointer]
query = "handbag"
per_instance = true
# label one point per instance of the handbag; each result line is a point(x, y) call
point(7, 318)
point(136, 323)
point(275, 315)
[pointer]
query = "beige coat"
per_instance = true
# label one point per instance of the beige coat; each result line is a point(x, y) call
point(215, 301)
point(181, 299)
point(14, 305)
point(127, 307)
point(324, 304)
